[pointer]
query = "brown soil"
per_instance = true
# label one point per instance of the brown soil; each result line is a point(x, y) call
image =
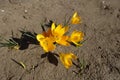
point(101, 51)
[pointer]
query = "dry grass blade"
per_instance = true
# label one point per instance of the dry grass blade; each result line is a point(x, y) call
point(19, 63)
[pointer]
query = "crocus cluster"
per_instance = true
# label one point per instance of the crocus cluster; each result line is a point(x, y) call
point(56, 34)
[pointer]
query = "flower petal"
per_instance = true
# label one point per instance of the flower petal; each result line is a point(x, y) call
point(76, 19)
point(76, 37)
point(47, 44)
point(48, 33)
point(53, 26)
point(63, 41)
point(66, 59)
point(39, 37)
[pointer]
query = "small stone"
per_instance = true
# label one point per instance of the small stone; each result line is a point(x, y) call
point(2, 10)
point(25, 11)
point(103, 2)
point(105, 5)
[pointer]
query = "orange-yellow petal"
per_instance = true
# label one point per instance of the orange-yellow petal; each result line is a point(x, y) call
point(76, 19)
point(76, 37)
point(39, 37)
point(63, 41)
point(52, 26)
point(66, 59)
point(47, 33)
point(47, 44)
point(59, 30)
point(63, 30)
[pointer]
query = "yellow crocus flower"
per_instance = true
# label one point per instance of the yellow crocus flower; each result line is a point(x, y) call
point(47, 33)
point(46, 42)
point(58, 34)
point(39, 37)
point(66, 59)
point(63, 40)
point(76, 19)
point(76, 37)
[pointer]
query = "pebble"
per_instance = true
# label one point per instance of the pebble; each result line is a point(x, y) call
point(25, 11)
point(2, 10)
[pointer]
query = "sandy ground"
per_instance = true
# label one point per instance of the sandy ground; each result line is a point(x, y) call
point(101, 51)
